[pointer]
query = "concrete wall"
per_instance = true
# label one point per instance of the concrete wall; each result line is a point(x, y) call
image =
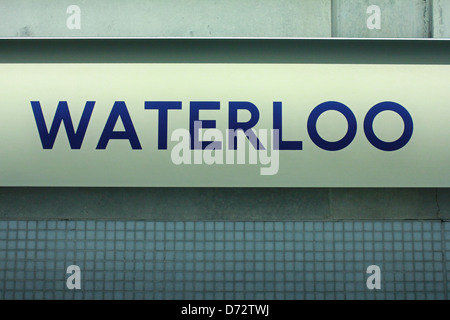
point(441, 18)
point(169, 18)
point(226, 18)
point(224, 204)
point(399, 18)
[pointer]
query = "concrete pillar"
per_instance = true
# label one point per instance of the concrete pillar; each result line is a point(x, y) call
point(441, 18)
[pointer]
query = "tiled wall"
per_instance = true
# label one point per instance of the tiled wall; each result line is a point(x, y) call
point(224, 260)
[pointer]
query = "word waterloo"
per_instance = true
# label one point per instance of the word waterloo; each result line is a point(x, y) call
point(192, 139)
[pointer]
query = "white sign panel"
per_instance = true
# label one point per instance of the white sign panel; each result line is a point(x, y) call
point(224, 125)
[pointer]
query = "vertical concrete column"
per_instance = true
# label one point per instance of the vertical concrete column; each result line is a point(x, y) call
point(441, 18)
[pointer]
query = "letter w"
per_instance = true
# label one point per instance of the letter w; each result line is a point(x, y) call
point(62, 115)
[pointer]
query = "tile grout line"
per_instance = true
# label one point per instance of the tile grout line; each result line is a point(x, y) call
point(444, 259)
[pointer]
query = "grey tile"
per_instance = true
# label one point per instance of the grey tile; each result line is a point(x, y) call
point(315, 266)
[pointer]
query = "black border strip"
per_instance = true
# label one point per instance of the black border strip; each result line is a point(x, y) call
point(340, 51)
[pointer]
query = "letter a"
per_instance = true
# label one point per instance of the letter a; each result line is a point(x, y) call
point(74, 20)
point(74, 280)
point(374, 281)
point(374, 21)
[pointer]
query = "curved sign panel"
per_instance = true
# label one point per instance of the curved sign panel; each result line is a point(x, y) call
point(224, 124)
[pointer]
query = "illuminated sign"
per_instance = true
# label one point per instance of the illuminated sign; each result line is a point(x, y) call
point(254, 125)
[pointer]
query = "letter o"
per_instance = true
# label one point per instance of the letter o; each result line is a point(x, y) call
point(312, 126)
point(402, 112)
